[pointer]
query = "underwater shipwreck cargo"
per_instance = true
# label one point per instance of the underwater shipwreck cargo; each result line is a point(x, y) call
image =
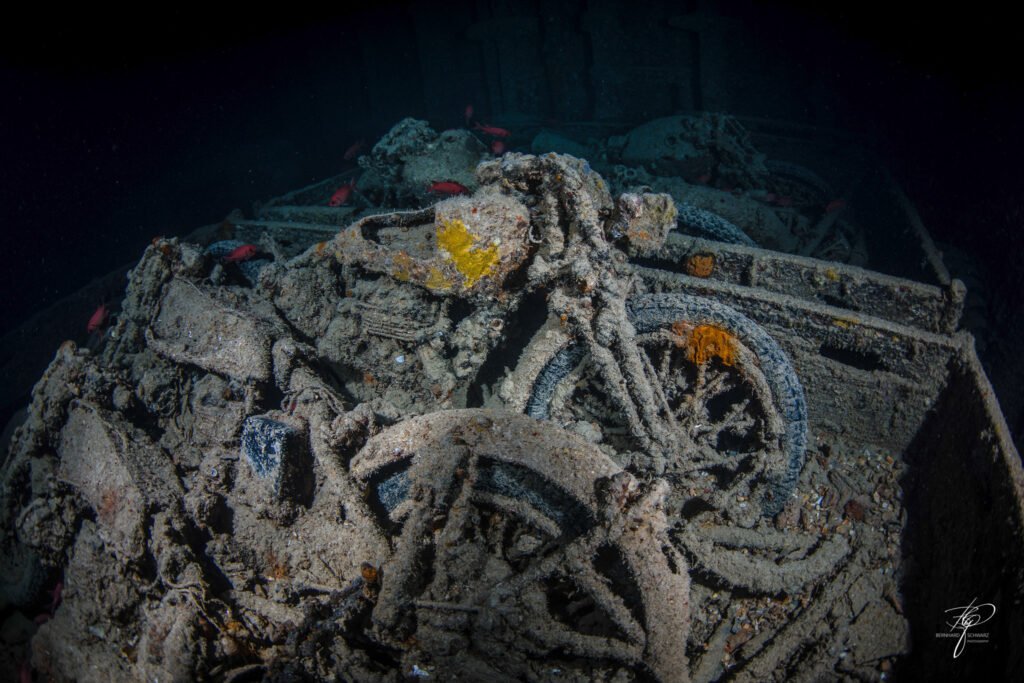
point(532, 432)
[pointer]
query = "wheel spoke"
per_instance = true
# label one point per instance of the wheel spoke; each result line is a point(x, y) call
point(665, 363)
point(549, 565)
point(719, 384)
point(555, 636)
point(700, 405)
point(598, 587)
point(668, 422)
point(736, 416)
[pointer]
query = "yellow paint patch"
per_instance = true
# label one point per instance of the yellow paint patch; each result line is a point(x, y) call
point(403, 266)
point(437, 280)
point(472, 262)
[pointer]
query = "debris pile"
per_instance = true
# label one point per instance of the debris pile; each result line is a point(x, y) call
point(458, 442)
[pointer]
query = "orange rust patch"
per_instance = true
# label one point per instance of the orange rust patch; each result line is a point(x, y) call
point(278, 568)
point(638, 235)
point(368, 572)
point(235, 628)
point(705, 342)
point(700, 265)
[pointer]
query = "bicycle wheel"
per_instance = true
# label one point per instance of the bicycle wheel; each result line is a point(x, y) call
point(521, 553)
point(734, 402)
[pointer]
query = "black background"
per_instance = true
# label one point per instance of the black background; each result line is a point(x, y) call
point(115, 128)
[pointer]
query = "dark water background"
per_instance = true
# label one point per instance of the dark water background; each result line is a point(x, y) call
point(115, 129)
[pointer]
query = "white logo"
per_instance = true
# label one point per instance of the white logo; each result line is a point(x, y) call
point(964, 619)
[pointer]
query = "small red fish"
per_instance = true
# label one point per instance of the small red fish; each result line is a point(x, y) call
point(342, 195)
point(835, 205)
point(353, 151)
point(56, 595)
point(98, 318)
point(242, 253)
point(469, 113)
point(448, 187)
point(492, 130)
point(497, 148)
point(25, 671)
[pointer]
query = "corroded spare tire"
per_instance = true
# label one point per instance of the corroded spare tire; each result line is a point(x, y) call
point(521, 552)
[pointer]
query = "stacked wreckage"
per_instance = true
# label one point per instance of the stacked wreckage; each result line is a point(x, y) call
point(529, 433)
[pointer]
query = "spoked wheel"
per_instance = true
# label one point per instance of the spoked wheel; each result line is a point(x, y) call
point(521, 553)
point(734, 405)
point(722, 408)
